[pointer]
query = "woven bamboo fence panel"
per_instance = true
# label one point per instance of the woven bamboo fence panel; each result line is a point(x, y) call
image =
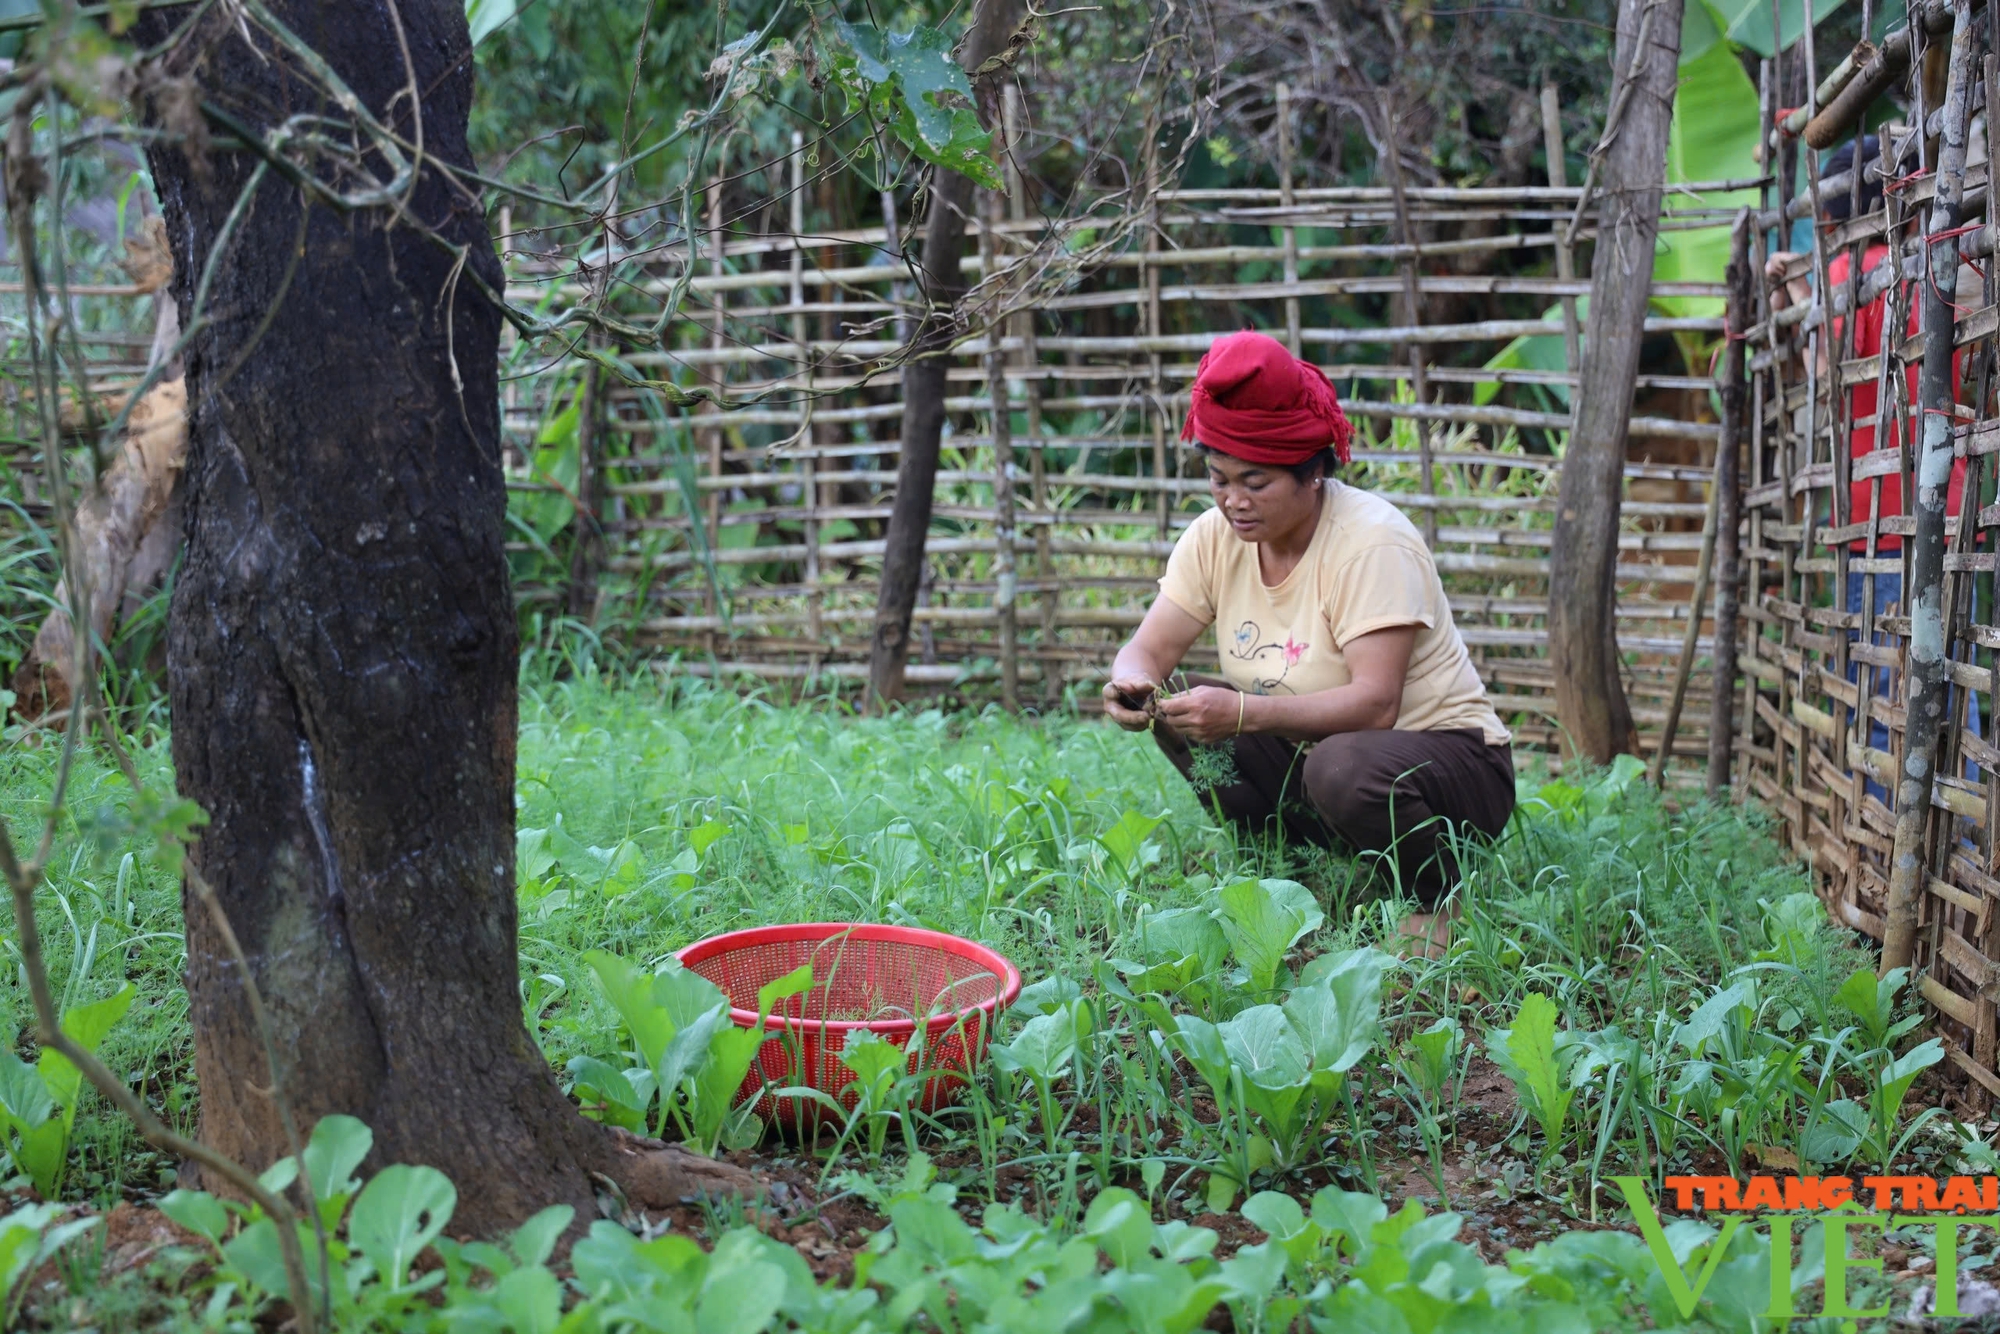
point(747, 542)
point(1829, 588)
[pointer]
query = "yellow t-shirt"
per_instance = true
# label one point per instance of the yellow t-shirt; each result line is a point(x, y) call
point(1367, 569)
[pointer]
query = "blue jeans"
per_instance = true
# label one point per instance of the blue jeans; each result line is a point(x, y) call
point(1889, 589)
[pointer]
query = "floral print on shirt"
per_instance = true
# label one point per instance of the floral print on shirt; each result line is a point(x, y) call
point(1260, 655)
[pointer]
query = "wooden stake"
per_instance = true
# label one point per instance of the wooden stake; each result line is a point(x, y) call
point(1156, 406)
point(1697, 601)
point(718, 376)
point(1552, 141)
point(1001, 429)
point(1285, 197)
point(1024, 328)
point(1413, 314)
point(804, 378)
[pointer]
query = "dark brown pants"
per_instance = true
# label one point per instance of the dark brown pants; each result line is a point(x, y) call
point(1387, 792)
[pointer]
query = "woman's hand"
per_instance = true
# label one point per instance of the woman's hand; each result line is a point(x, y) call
point(1126, 698)
point(1204, 714)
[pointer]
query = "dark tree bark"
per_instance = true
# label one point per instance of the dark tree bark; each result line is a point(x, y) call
point(1740, 310)
point(1590, 696)
point(342, 648)
point(924, 391)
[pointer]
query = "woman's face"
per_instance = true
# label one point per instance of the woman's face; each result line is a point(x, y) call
point(1260, 502)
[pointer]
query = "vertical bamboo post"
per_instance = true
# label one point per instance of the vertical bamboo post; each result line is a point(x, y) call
point(586, 553)
point(1927, 674)
point(1413, 306)
point(1739, 312)
point(807, 450)
point(509, 337)
point(892, 242)
point(1285, 196)
point(1986, 1032)
point(1552, 141)
point(1015, 121)
point(1156, 376)
point(718, 377)
point(1000, 416)
point(1691, 637)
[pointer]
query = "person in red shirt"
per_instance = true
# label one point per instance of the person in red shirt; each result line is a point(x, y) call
point(1863, 407)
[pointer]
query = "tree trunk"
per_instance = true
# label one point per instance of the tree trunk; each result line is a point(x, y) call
point(1741, 310)
point(342, 648)
point(924, 388)
point(1590, 696)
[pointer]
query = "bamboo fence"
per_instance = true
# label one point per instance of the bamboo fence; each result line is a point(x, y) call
point(1833, 570)
point(746, 542)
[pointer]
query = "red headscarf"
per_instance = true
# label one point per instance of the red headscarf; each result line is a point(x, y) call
point(1257, 402)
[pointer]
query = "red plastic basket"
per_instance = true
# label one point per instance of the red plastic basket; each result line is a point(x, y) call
point(886, 979)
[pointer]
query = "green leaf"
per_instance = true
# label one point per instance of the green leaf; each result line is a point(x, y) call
point(795, 983)
point(43, 1152)
point(86, 1026)
point(1202, 1042)
point(597, 1081)
point(1175, 935)
point(684, 994)
point(1260, 1042)
point(919, 62)
point(535, 1240)
point(1045, 1045)
point(731, 1052)
point(704, 836)
point(279, 1176)
point(1121, 1224)
point(631, 993)
point(534, 854)
point(1437, 1049)
point(1712, 137)
point(1536, 352)
point(1277, 1214)
point(1748, 22)
point(1527, 1054)
point(688, 1054)
point(1125, 839)
point(1263, 919)
point(1337, 1008)
point(1872, 1001)
point(1700, 30)
point(255, 1254)
point(872, 1058)
point(198, 1212)
point(530, 1299)
point(911, 80)
point(23, 1095)
point(1048, 995)
point(337, 1146)
point(27, 1239)
point(1349, 1214)
point(1835, 1134)
point(486, 17)
point(1713, 1015)
point(399, 1213)
point(1903, 1072)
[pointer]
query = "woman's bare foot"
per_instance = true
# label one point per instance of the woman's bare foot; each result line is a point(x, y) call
point(1427, 935)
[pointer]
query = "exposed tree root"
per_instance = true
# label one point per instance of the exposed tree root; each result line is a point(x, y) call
point(656, 1175)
